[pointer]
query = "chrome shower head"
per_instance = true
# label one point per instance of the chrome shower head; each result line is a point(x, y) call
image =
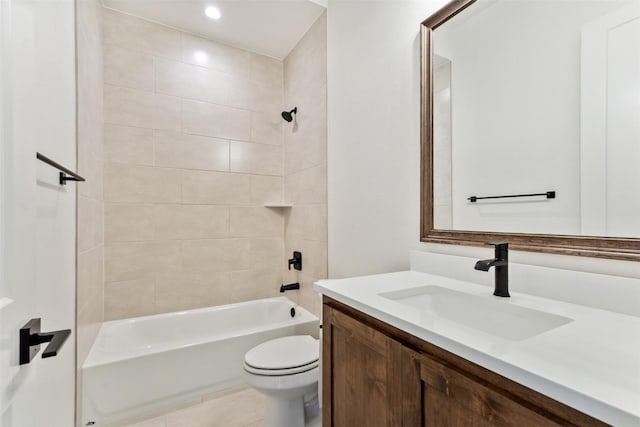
point(288, 115)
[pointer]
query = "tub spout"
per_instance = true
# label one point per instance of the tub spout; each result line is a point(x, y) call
point(289, 287)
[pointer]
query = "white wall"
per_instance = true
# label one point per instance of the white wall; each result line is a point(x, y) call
point(374, 143)
point(373, 133)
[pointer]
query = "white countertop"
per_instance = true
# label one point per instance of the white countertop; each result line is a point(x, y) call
point(591, 364)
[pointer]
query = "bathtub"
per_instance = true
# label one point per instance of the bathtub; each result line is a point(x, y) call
point(139, 366)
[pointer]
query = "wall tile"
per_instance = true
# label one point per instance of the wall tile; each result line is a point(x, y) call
point(213, 256)
point(256, 158)
point(188, 290)
point(305, 160)
point(128, 223)
point(141, 184)
point(90, 123)
point(131, 298)
point(90, 106)
point(90, 274)
point(191, 81)
point(178, 150)
point(259, 221)
point(249, 285)
point(266, 253)
point(132, 107)
point(306, 152)
point(202, 118)
point(266, 128)
point(307, 222)
point(90, 167)
point(190, 222)
point(138, 34)
point(125, 144)
point(194, 147)
point(240, 93)
point(169, 76)
point(265, 70)
point(266, 189)
point(265, 98)
point(307, 186)
point(206, 85)
point(89, 321)
point(254, 96)
point(306, 65)
point(308, 297)
point(215, 188)
point(89, 82)
point(140, 260)
point(210, 54)
point(306, 142)
point(125, 67)
point(89, 223)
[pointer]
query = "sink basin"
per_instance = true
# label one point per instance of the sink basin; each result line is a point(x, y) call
point(489, 314)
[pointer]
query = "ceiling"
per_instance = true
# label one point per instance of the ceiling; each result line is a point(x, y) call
point(268, 27)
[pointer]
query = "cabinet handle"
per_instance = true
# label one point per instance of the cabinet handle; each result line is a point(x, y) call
point(31, 338)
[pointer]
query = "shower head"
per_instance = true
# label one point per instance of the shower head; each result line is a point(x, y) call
point(288, 115)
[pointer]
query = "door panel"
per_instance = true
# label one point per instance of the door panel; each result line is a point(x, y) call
point(609, 128)
point(37, 233)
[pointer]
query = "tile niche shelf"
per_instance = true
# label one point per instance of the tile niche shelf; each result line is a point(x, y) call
point(283, 205)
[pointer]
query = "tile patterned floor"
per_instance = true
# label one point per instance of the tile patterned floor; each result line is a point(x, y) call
point(242, 408)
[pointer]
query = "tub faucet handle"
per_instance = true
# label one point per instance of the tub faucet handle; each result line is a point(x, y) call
point(296, 261)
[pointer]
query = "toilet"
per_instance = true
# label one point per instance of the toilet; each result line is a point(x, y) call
point(286, 370)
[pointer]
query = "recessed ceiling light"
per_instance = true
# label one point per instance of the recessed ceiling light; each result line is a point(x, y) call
point(212, 12)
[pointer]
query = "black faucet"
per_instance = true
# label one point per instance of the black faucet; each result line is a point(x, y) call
point(501, 263)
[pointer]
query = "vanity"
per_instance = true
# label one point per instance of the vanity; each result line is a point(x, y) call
point(412, 348)
point(527, 138)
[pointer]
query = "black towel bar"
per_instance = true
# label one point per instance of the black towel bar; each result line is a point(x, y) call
point(63, 171)
point(548, 194)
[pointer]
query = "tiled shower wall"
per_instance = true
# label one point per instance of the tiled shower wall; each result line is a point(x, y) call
point(305, 164)
point(90, 236)
point(193, 150)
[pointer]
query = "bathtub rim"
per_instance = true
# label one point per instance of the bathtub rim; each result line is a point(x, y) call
point(103, 358)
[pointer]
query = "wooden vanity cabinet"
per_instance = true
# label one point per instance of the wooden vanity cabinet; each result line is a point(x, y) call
point(377, 375)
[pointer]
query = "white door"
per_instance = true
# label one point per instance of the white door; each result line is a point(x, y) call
point(37, 214)
point(610, 124)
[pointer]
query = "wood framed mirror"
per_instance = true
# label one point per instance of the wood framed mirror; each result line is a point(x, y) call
point(553, 225)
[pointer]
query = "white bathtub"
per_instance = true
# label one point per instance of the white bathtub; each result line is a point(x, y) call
point(140, 365)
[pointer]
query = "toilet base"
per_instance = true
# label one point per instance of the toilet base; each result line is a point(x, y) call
point(284, 412)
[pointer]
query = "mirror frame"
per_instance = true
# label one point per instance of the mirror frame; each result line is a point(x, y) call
point(590, 246)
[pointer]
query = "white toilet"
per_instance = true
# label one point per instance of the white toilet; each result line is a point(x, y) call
point(286, 370)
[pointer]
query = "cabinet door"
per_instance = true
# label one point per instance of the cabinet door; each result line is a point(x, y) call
point(361, 374)
point(438, 395)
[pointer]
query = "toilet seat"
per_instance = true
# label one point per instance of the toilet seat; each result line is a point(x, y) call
point(283, 356)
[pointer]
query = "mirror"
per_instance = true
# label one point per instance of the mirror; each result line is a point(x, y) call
point(531, 125)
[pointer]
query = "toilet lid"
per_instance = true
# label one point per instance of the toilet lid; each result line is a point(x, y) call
point(284, 353)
